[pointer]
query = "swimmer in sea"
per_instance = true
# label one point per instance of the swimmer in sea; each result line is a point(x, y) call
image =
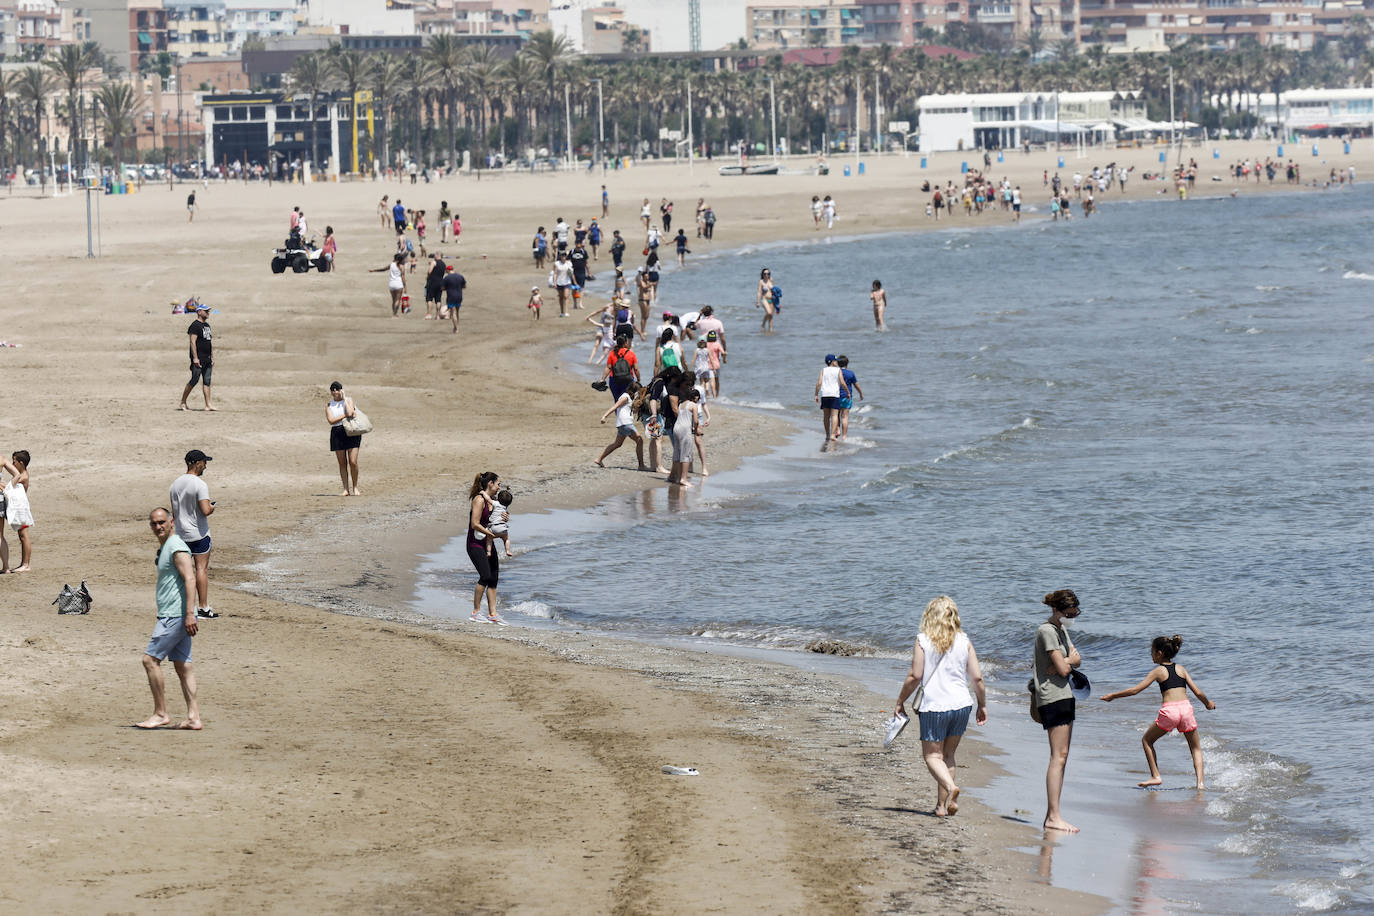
point(764, 299)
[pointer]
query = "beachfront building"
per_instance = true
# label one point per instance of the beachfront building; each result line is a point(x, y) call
point(269, 128)
point(1220, 24)
point(1326, 112)
point(1001, 120)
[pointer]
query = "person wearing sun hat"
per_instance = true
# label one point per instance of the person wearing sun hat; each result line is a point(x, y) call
point(201, 355)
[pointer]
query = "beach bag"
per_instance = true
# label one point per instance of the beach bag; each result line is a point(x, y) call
point(670, 358)
point(358, 424)
point(74, 601)
point(1034, 707)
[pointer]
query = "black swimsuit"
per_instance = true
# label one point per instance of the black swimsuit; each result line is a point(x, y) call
point(1173, 680)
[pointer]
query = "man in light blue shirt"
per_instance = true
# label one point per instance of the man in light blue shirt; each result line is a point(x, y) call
point(176, 624)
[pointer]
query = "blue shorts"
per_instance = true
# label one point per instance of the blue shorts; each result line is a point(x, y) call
point(199, 547)
point(170, 640)
point(844, 403)
point(937, 726)
point(627, 431)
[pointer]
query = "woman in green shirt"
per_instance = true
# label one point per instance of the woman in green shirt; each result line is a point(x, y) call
point(1055, 657)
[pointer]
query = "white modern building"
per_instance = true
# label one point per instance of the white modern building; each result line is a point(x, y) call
point(1003, 120)
point(244, 19)
point(1322, 110)
point(359, 17)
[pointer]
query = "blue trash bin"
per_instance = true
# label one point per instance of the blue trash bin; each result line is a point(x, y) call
point(963, 168)
point(861, 168)
point(1280, 149)
point(846, 171)
point(923, 162)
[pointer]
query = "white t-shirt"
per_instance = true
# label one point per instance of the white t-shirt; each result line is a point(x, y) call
point(623, 415)
point(946, 675)
point(688, 317)
point(830, 382)
point(562, 273)
point(186, 493)
point(394, 278)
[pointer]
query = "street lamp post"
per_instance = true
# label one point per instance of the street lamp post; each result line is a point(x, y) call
point(601, 127)
point(691, 138)
point(181, 126)
point(567, 114)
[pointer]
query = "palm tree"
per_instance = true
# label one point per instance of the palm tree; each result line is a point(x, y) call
point(312, 75)
point(70, 66)
point(551, 53)
point(385, 78)
point(446, 53)
point(481, 75)
point(352, 68)
point(520, 73)
point(121, 107)
point(9, 95)
point(35, 85)
point(419, 76)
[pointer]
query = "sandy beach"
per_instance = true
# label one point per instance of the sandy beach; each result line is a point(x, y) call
point(372, 760)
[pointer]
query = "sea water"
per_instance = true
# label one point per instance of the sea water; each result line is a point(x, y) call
point(1164, 407)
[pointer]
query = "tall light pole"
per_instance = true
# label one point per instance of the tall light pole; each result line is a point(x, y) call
point(691, 138)
point(567, 114)
point(181, 126)
point(601, 127)
point(773, 119)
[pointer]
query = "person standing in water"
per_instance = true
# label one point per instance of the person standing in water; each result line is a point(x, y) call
point(764, 299)
point(1055, 658)
point(879, 299)
point(1175, 712)
point(830, 387)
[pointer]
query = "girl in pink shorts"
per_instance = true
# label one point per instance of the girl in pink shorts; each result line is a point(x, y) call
point(1175, 712)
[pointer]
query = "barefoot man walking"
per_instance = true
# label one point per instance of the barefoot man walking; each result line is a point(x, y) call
point(176, 624)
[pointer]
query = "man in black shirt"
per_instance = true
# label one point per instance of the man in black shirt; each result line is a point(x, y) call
point(579, 264)
point(201, 355)
point(454, 284)
point(617, 248)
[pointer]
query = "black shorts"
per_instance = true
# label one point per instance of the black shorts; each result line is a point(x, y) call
point(1060, 712)
point(830, 403)
point(340, 441)
point(200, 374)
point(487, 566)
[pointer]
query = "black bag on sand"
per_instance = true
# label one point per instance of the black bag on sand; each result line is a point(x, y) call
point(74, 601)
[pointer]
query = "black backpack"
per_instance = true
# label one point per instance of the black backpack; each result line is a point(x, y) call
point(620, 369)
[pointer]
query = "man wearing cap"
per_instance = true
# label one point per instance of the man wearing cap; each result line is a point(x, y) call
point(454, 284)
point(176, 624)
point(191, 507)
point(201, 356)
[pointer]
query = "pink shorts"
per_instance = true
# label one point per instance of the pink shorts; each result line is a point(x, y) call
point(1177, 715)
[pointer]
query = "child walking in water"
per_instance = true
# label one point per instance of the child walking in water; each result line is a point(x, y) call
point(1175, 712)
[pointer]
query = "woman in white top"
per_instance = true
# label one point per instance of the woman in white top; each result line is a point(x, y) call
point(396, 281)
point(344, 446)
point(830, 387)
point(944, 663)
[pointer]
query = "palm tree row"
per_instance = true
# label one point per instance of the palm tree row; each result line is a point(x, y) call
point(454, 89)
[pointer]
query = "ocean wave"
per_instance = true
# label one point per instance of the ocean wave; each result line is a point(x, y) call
point(531, 609)
point(1356, 275)
point(756, 405)
point(1307, 894)
point(791, 639)
point(1268, 289)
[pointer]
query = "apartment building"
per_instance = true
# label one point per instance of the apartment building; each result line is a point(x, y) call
point(128, 30)
point(195, 28)
point(817, 24)
point(28, 28)
point(1220, 24)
